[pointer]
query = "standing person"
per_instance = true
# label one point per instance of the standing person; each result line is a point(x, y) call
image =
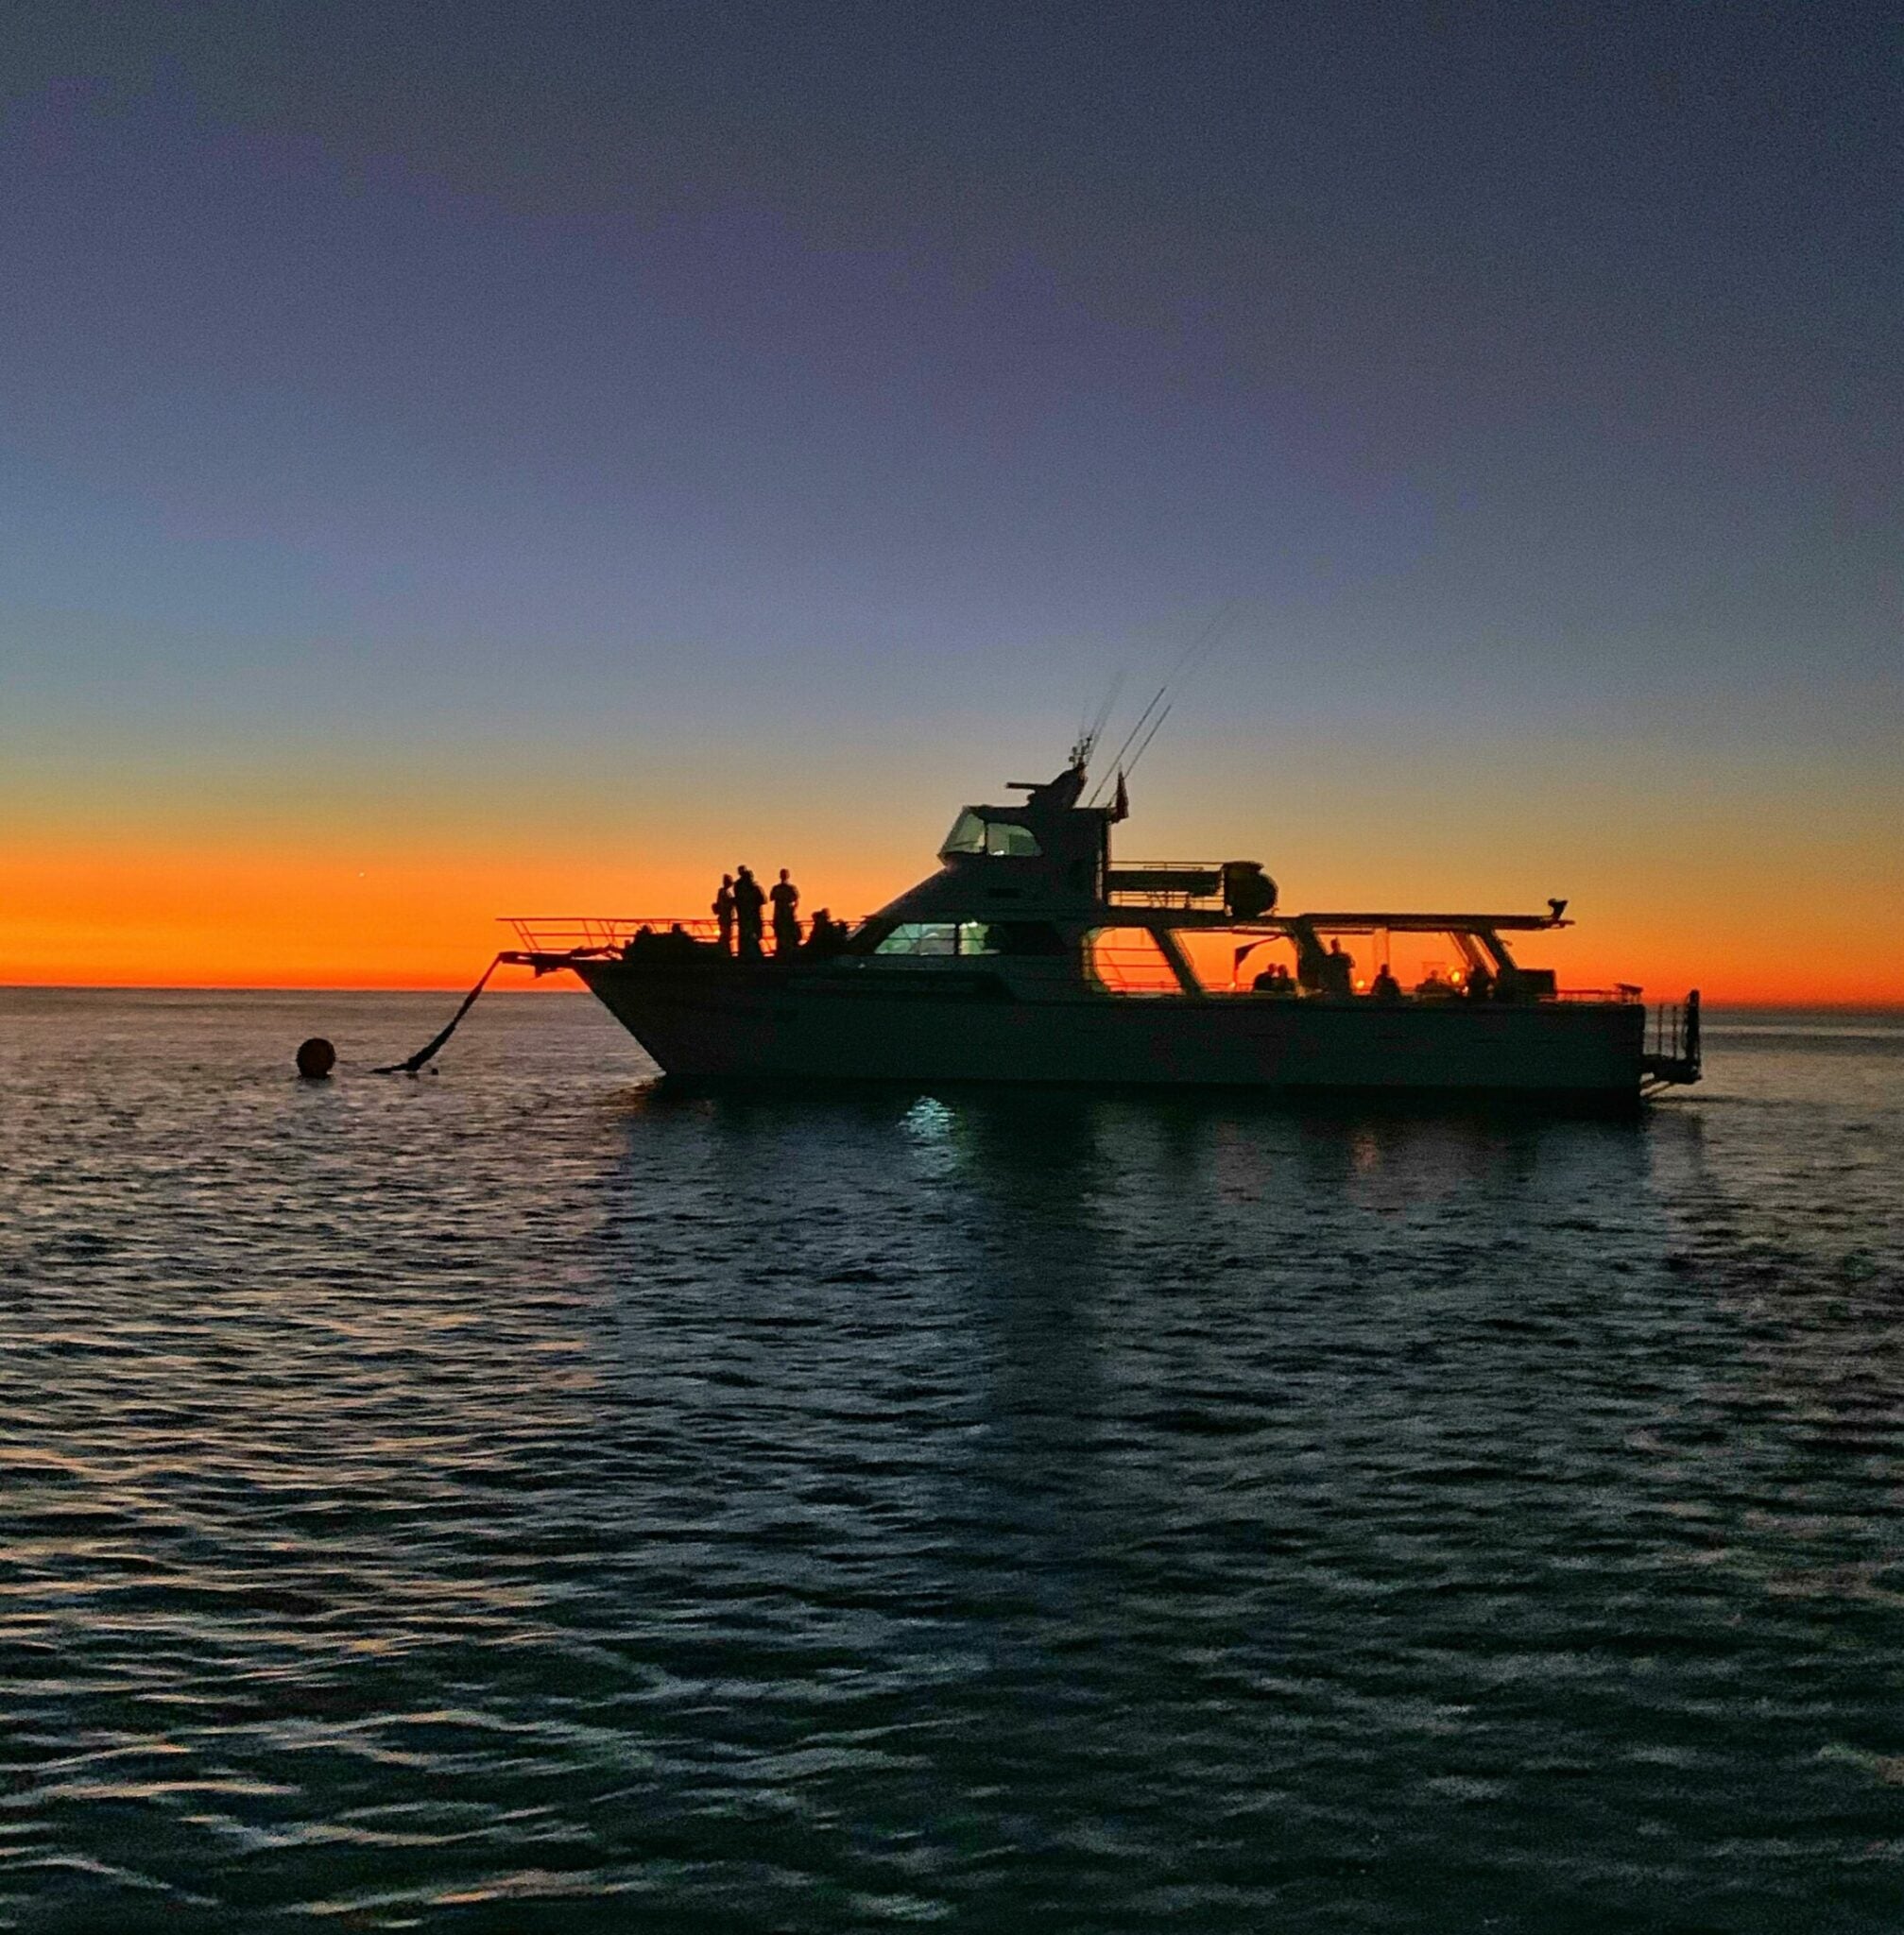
point(748, 901)
point(786, 899)
point(1338, 970)
point(723, 913)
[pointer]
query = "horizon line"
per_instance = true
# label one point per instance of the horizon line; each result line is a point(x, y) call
point(1780, 1003)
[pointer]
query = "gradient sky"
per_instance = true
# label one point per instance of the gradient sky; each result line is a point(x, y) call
point(463, 458)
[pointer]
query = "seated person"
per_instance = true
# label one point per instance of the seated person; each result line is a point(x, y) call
point(1274, 980)
point(825, 936)
point(1386, 987)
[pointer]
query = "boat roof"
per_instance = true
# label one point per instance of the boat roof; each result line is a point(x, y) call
point(1427, 923)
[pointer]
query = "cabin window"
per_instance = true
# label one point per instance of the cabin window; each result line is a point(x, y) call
point(921, 938)
point(1127, 960)
point(1010, 938)
point(1225, 961)
point(1001, 839)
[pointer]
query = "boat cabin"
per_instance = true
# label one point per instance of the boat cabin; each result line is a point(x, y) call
point(1031, 888)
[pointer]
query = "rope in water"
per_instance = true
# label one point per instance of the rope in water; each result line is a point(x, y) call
point(414, 1064)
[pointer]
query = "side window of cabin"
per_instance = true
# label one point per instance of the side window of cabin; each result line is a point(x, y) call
point(1127, 960)
point(921, 938)
point(1019, 937)
point(1005, 841)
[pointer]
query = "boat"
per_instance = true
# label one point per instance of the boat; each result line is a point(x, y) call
point(1031, 955)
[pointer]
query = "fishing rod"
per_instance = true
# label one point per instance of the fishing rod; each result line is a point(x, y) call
point(1147, 738)
point(1177, 677)
point(1117, 764)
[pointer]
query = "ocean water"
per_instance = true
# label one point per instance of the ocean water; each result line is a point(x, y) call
point(517, 1499)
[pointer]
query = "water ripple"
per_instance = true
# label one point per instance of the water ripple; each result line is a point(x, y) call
point(525, 1499)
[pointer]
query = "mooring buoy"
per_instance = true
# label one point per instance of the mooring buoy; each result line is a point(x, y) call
point(315, 1058)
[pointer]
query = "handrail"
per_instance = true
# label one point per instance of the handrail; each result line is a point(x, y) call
point(1188, 885)
point(1674, 1057)
point(592, 933)
point(1167, 866)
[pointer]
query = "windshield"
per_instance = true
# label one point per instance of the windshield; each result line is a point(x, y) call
point(973, 832)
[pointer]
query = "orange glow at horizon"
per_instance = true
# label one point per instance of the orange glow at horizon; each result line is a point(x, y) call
point(186, 912)
point(175, 913)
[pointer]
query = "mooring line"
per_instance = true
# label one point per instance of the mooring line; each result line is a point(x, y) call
point(414, 1065)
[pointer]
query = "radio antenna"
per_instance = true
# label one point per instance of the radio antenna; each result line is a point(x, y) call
point(1089, 734)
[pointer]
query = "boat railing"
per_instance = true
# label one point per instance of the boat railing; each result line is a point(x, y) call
point(1672, 1054)
point(592, 934)
point(575, 933)
point(1622, 994)
point(1129, 961)
point(1186, 884)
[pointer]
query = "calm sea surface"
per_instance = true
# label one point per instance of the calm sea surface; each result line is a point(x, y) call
point(517, 1499)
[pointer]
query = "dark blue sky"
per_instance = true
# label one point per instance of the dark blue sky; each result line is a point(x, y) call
point(666, 381)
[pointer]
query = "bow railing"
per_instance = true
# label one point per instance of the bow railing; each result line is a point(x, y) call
point(594, 934)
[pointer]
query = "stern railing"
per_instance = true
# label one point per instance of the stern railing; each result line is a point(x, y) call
point(1673, 1057)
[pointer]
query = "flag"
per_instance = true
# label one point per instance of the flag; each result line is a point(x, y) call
point(1119, 807)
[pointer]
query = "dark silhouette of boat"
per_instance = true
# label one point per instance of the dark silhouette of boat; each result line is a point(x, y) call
point(1030, 956)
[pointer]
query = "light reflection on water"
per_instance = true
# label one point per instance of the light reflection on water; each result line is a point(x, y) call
point(525, 1498)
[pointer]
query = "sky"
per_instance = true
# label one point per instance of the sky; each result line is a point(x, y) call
point(462, 459)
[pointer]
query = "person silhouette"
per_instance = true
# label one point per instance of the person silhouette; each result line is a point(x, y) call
point(749, 902)
point(723, 913)
point(786, 899)
point(1338, 970)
